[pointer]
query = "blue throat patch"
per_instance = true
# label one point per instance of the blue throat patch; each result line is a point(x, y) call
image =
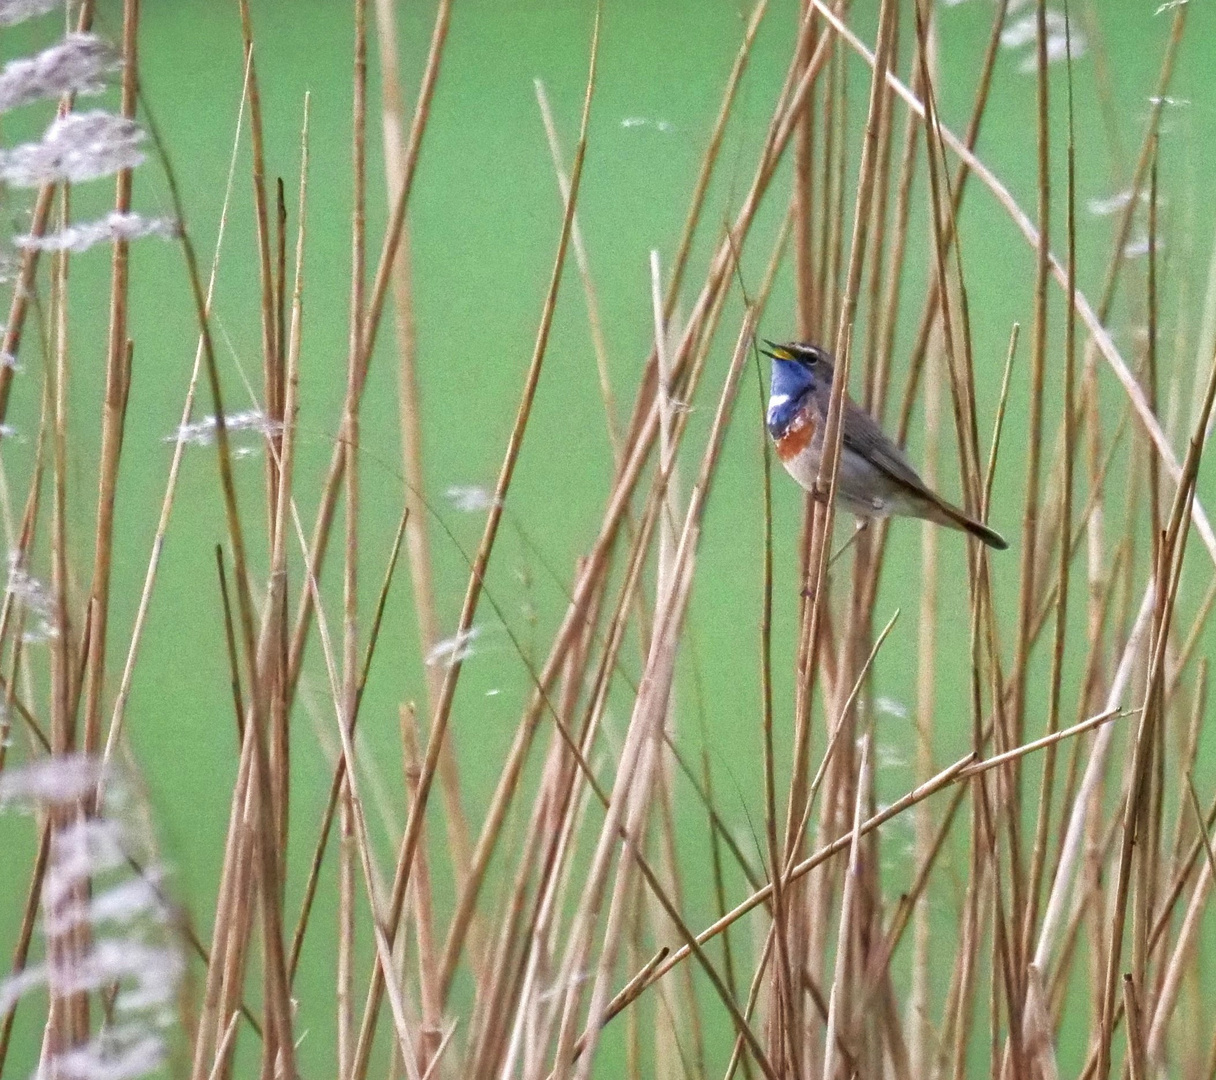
point(788, 388)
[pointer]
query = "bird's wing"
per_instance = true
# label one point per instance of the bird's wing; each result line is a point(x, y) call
point(863, 436)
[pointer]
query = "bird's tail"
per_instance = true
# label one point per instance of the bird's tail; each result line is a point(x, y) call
point(944, 513)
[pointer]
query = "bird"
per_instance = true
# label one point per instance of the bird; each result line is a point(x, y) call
point(875, 478)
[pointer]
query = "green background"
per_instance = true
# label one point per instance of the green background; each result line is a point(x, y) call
point(484, 224)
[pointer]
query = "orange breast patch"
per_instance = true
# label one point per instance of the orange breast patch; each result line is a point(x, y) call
point(797, 437)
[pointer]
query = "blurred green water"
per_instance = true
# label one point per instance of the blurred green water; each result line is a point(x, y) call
point(484, 224)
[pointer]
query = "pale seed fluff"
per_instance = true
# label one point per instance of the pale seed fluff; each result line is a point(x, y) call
point(455, 649)
point(115, 226)
point(1139, 246)
point(102, 873)
point(78, 64)
point(469, 498)
point(202, 432)
point(15, 11)
point(1023, 32)
point(1112, 205)
point(49, 781)
point(1062, 40)
point(76, 147)
point(37, 598)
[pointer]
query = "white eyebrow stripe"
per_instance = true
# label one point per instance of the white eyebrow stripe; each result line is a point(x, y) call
point(777, 399)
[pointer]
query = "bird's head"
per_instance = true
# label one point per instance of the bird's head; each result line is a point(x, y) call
point(797, 370)
point(798, 366)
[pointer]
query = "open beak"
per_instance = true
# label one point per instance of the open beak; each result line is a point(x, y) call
point(775, 351)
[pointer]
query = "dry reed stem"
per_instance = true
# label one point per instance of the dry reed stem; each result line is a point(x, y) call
point(1188, 758)
point(424, 920)
point(270, 346)
point(820, 889)
point(384, 959)
point(513, 972)
point(23, 289)
point(21, 551)
point(234, 660)
point(375, 309)
point(1169, 565)
point(1070, 851)
point(344, 982)
point(878, 224)
point(728, 956)
point(820, 518)
point(114, 412)
point(833, 741)
point(278, 1043)
point(1153, 1048)
point(336, 783)
point(784, 1037)
point(385, 966)
point(839, 998)
point(888, 306)
point(421, 572)
point(960, 371)
point(281, 447)
point(1064, 564)
point(350, 594)
point(866, 176)
point(1144, 160)
point(1039, 1039)
point(799, 800)
point(67, 1020)
point(842, 774)
point(965, 768)
point(630, 796)
point(507, 967)
point(226, 1043)
point(926, 660)
point(930, 311)
point(835, 185)
point(959, 368)
point(785, 991)
point(12, 609)
point(468, 611)
point(598, 344)
point(384, 269)
point(114, 732)
point(25, 934)
point(666, 1037)
point(1136, 1061)
point(803, 195)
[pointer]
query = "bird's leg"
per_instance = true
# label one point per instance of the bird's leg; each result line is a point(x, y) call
point(860, 525)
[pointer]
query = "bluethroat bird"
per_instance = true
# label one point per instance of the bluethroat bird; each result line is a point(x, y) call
point(875, 479)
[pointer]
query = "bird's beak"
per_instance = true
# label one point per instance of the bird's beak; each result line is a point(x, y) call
point(775, 351)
